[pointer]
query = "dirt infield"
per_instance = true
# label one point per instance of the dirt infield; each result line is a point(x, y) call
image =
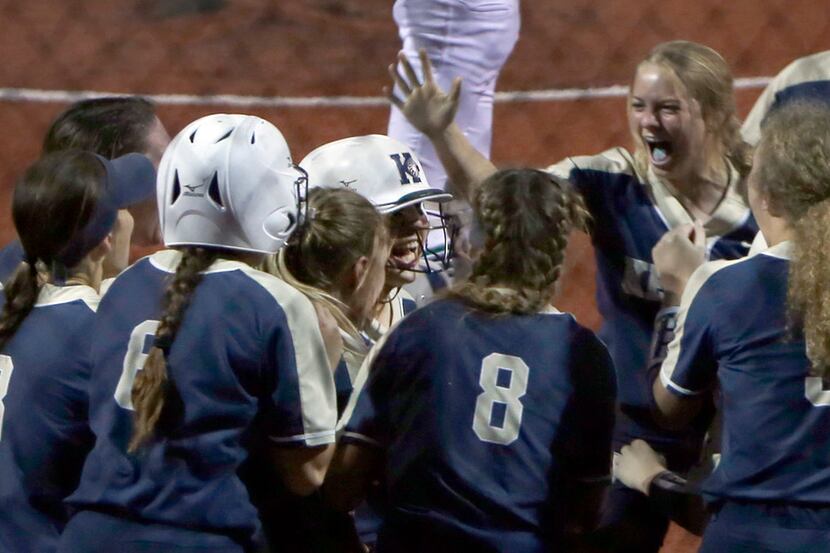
point(341, 47)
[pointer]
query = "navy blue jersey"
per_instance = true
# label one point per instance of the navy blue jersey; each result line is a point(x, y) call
point(482, 418)
point(806, 78)
point(248, 365)
point(631, 211)
point(10, 258)
point(44, 436)
point(733, 329)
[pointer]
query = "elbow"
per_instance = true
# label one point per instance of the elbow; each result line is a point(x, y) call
point(307, 480)
point(672, 412)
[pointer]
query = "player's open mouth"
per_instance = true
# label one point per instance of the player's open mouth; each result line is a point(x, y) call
point(406, 253)
point(659, 151)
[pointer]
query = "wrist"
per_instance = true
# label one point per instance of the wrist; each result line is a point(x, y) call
point(645, 485)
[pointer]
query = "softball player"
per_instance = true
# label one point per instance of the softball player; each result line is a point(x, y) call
point(111, 127)
point(757, 328)
point(388, 174)
point(688, 164)
point(806, 78)
point(198, 357)
point(503, 444)
point(337, 259)
point(464, 39)
point(64, 210)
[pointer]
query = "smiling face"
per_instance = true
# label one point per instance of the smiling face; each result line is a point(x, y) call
point(408, 229)
point(370, 274)
point(667, 124)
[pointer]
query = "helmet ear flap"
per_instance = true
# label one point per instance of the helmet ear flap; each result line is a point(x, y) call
point(279, 224)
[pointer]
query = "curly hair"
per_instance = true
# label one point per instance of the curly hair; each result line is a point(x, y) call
point(707, 79)
point(526, 216)
point(793, 174)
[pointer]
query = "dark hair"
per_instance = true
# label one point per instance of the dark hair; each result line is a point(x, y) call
point(52, 202)
point(111, 127)
point(525, 216)
point(152, 386)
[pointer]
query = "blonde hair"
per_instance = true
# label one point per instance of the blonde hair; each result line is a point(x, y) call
point(708, 80)
point(344, 226)
point(793, 174)
point(525, 216)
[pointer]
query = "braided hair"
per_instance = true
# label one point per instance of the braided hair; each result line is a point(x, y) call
point(525, 216)
point(153, 385)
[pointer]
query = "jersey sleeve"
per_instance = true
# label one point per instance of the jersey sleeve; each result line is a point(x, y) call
point(588, 174)
point(690, 366)
point(363, 420)
point(302, 407)
point(588, 421)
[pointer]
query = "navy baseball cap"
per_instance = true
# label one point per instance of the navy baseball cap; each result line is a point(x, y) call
point(130, 179)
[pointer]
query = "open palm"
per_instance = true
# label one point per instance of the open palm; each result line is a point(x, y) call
point(428, 108)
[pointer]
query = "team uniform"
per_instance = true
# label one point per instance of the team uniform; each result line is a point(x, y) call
point(772, 485)
point(479, 440)
point(44, 435)
point(249, 367)
point(471, 40)
point(10, 258)
point(631, 210)
point(806, 78)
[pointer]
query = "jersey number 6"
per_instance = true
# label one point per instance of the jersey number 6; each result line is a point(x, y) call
point(133, 362)
point(498, 415)
point(6, 368)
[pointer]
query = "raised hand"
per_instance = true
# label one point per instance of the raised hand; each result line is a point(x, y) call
point(428, 108)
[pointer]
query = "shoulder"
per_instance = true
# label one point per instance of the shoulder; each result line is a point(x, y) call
point(716, 282)
point(613, 161)
point(68, 296)
point(296, 305)
point(814, 67)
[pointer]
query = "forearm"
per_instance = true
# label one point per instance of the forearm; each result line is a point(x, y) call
point(679, 501)
point(352, 470)
point(466, 167)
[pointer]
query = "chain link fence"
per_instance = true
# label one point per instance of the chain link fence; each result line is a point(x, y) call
point(316, 67)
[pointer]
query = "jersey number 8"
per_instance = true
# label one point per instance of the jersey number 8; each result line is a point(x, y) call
point(498, 415)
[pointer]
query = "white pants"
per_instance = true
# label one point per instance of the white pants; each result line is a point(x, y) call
point(470, 39)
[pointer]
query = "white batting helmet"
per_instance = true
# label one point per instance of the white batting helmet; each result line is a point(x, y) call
point(228, 181)
point(381, 169)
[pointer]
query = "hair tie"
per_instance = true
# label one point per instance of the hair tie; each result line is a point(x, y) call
point(164, 343)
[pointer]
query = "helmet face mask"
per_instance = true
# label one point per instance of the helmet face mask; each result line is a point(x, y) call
point(227, 181)
point(388, 174)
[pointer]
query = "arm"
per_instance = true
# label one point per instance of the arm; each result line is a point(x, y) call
point(674, 411)
point(676, 256)
point(685, 364)
point(639, 467)
point(354, 468)
point(302, 469)
point(588, 428)
point(432, 111)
